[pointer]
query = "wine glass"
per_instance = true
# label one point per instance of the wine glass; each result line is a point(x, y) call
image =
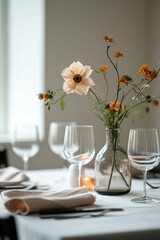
point(25, 142)
point(79, 146)
point(56, 137)
point(144, 154)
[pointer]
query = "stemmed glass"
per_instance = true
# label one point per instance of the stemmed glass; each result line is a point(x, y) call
point(144, 154)
point(79, 145)
point(25, 142)
point(56, 137)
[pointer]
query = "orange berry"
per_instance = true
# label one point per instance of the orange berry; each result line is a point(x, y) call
point(46, 97)
point(155, 102)
point(40, 96)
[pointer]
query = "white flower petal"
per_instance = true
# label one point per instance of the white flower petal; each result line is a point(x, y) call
point(81, 89)
point(86, 72)
point(76, 67)
point(68, 80)
point(68, 88)
point(67, 73)
point(88, 81)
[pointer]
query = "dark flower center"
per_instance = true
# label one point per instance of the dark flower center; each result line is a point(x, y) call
point(77, 78)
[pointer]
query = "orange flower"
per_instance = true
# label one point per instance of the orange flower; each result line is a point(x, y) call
point(143, 68)
point(150, 74)
point(110, 40)
point(103, 68)
point(45, 96)
point(118, 54)
point(116, 106)
point(155, 102)
point(123, 81)
point(105, 37)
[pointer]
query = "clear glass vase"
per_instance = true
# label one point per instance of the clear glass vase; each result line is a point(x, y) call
point(112, 167)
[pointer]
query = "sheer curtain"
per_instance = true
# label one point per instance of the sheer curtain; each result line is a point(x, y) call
point(22, 64)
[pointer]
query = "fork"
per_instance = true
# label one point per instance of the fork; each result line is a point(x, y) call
point(80, 214)
point(96, 214)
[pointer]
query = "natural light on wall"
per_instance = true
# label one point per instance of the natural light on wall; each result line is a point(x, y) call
point(25, 62)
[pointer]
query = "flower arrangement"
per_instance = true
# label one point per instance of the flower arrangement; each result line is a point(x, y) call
point(112, 112)
point(129, 94)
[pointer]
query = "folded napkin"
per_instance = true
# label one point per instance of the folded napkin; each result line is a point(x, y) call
point(11, 176)
point(25, 202)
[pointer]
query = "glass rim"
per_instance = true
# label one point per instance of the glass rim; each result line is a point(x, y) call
point(144, 129)
point(63, 122)
point(77, 126)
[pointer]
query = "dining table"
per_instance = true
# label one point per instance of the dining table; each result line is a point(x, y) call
point(135, 221)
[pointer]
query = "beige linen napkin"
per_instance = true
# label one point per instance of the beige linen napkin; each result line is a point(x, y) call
point(24, 202)
point(11, 176)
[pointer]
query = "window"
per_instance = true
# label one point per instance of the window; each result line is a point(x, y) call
point(3, 64)
point(22, 63)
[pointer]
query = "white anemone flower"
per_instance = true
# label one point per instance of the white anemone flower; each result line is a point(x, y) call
point(77, 78)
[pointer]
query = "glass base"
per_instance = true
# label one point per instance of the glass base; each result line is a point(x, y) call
point(113, 192)
point(146, 200)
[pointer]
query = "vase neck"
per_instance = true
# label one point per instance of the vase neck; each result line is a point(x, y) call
point(112, 137)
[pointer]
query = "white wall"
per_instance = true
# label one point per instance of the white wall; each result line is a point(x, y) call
point(74, 31)
point(154, 54)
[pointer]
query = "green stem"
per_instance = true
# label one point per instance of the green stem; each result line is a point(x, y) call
point(117, 72)
point(99, 104)
point(114, 142)
point(114, 165)
point(121, 176)
point(64, 95)
point(130, 105)
point(104, 75)
point(115, 67)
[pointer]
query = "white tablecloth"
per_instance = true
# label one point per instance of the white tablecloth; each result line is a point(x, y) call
point(137, 221)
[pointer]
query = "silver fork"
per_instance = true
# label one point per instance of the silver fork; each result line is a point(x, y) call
point(80, 214)
point(96, 214)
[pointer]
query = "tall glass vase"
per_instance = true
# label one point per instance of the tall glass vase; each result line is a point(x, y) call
point(112, 167)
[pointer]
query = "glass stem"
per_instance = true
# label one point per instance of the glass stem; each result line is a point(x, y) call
point(25, 161)
point(144, 183)
point(80, 174)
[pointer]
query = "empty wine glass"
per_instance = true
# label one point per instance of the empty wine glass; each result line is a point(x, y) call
point(56, 137)
point(25, 142)
point(144, 154)
point(79, 146)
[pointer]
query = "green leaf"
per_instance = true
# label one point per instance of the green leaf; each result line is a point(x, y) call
point(98, 71)
point(62, 103)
